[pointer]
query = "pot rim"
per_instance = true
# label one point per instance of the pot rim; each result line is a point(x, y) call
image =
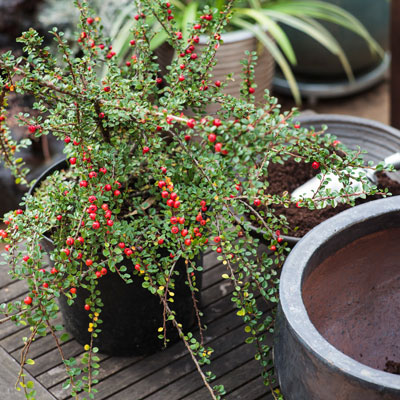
point(290, 292)
point(317, 120)
point(232, 37)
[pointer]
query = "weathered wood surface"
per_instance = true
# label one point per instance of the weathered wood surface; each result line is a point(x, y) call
point(169, 374)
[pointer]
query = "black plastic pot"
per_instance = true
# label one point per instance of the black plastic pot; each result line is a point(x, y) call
point(131, 315)
point(378, 139)
point(331, 282)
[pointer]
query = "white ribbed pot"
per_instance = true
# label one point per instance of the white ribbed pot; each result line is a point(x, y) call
point(228, 57)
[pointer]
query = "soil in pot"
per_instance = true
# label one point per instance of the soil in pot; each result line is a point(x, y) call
point(353, 299)
point(291, 175)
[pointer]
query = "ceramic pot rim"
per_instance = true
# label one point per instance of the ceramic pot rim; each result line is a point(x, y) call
point(291, 299)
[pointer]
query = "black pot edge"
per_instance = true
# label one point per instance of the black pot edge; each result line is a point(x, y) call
point(291, 301)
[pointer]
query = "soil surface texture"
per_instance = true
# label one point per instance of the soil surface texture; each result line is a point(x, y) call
point(291, 175)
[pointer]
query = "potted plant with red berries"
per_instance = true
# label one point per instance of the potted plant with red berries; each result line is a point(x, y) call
point(143, 189)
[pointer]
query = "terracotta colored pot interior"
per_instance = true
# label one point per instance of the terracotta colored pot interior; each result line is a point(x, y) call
point(353, 298)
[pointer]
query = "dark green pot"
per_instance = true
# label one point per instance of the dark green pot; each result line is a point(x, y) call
point(316, 63)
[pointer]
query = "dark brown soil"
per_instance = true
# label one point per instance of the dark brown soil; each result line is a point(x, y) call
point(353, 299)
point(291, 175)
point(392, 367)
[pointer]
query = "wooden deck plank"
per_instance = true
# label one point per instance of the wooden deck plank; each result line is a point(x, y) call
point(184, 377)
point(13, 291)
point(8, 375)
point(235, 379)
point(254, 389)
point(14, 341)
point(152, 363)
point(51, 358)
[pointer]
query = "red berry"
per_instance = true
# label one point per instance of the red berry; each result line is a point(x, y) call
point(79, 256)
point(92, 174)
point(161, 184)
point(218, 147)
point(173, 220)
point(45, 285)
point(59, 217)
point(72, 160)
point(145, 149)
point(280, 239)
point(81, 240)
point(121, 245)
point(117, 193)
point(70, 241)
point(7, 247)
point(106, 88)
point(187, 138)
point(177, 204)
point(296, 126)
point(164, 194)
point(217, 83)
point(273, 248)
point(174, 196)
point(315, 165)
point(160, 241)
point(158, 81)
point(298, 204)
point(96, 225)
point(181, 220)
point(32, 128)
point(252, 90)
point(26, 258)
point(110, 222)
point(107, 188)
point(128, 252)
point(181, 78)
point(184, 232)
point(89, 262)
point(212, 137)
point(217, 239)
point(170, 203)
point(108, 214)
point(257, 202)
point(92, 199)
point(174, 229)
point(137, 267)
point(163, 170)
point(132, 42)
point(103, 271)
point(28, 300)
point(53, 271)
point(101, 115)
point(87, 307)
point(188, 242)
point(193, 56)
point(197, 26)
point(191, 123)
point(92, 208)
point(72, 290)
point(217, 122)
point(104, 206)
point(67, 139)
point(98, 274)
point(219, 250)
point(83, 183)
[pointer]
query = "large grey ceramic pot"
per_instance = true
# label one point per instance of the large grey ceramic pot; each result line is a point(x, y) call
point(229, 56)
point(338, 319)
point(378, 139)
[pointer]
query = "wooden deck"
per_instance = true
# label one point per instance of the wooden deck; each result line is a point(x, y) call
point(167, 375)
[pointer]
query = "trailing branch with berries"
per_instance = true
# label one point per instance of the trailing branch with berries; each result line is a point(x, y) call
point(149, 183)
